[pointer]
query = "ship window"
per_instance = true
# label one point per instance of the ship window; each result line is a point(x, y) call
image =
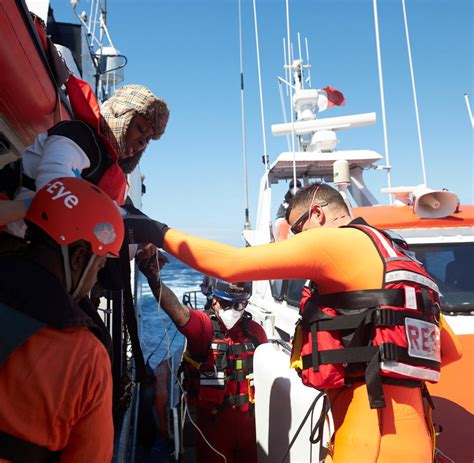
point(451, 267)
point(293, 291)
point(277, 289)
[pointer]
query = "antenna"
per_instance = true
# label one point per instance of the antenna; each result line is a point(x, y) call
point(262, 113)
point(468, 106)
point(244, 142)
point(415, 100)
point(286, 67)
point(307, 61)
point(283, 109)
point(301, 59)
point(291, 92)
point(382, 97)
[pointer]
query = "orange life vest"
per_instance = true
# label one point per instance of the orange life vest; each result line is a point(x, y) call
point(86, 108)
point(224, 378)
point(382, 335)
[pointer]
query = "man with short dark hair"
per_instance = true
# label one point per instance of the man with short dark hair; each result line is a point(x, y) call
point(371, 332)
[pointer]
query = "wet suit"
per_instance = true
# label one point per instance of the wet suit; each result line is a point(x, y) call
point(337, 259)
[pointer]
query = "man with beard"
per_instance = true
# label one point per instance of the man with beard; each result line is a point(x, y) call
point(99, 148)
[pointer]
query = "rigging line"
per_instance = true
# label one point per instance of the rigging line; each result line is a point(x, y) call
point(291, 94)
point(382, 97)
point(244, 134)
point(166, 355)
point(415, 99)
point(283, 109)
point(158, 345)
point(265, 156)
point(94, 21)
point(469, 112)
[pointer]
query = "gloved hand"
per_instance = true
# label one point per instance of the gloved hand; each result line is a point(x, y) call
point(150, 267)
point(139, 228)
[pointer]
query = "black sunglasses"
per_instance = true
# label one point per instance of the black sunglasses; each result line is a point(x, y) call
point(227, 305)
point(297, 227)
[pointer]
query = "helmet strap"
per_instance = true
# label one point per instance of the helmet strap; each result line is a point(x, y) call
point(67, 267)
point(83, 276)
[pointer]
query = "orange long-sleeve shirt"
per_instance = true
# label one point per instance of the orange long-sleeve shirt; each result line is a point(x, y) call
point(56, 391)
point(337, 259)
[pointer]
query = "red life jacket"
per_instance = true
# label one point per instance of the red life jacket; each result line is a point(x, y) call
point(388, 335)
point(224, 378)
point(86, 108)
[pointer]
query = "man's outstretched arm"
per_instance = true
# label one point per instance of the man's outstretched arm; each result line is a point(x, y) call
point(178, 312)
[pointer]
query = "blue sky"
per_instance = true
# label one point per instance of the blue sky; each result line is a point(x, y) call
point(187, 53)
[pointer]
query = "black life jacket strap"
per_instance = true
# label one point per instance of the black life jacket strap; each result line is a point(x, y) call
point(379, 317)
point(245, 328)
point(343, 355)
point(361, 299)
point(238, 376)
point(28, 182)
point(388, 352)
point(16, 328)
point(238, 349)
point(237, 400)
point(18, 450)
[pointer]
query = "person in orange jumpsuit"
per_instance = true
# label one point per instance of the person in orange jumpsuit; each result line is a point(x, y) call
point(337, 259)
point(225, 414)
point(55, 369)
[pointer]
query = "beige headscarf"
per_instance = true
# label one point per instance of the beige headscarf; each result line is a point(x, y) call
point(119, 110)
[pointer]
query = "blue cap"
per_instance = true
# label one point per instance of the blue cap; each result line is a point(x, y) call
point(233, 292)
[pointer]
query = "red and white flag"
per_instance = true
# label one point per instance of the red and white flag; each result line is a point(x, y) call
point(329, 97)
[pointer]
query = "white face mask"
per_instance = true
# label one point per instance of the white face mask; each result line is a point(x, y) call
point(230, 317)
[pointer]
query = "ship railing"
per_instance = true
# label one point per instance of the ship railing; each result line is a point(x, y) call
point(194, 299)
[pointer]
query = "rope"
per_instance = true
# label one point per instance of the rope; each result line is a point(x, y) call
point(317, 427)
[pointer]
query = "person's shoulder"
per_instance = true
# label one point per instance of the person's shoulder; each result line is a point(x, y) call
point(83, 345)
point(257, 330)
point(77, 131)
point(72, 128)
point(198, 322)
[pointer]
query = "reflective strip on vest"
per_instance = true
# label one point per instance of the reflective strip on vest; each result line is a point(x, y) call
point(409, 371)
point(385, 243)
point(406, 275)
point(213, 379)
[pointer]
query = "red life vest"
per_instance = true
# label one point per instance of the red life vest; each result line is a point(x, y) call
point(86, 108)
point(224, 378)
point(388, 335)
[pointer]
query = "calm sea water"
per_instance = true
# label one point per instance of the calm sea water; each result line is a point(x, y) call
point(160, 338)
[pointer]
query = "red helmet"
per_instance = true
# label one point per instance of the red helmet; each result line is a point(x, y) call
point(71, 209)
